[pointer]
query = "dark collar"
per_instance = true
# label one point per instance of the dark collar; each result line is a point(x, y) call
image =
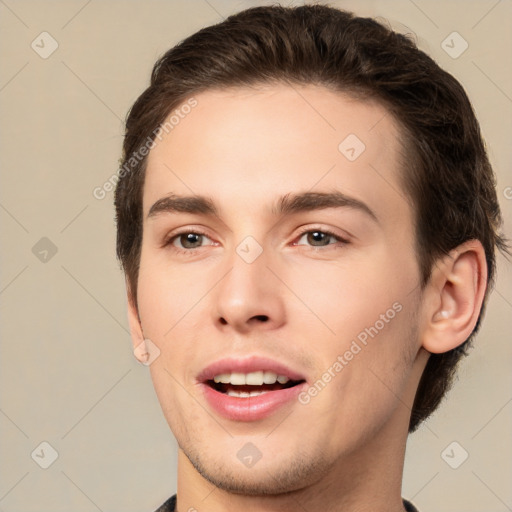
point(170, 505)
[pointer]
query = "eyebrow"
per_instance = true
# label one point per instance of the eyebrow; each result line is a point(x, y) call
point(285, 205)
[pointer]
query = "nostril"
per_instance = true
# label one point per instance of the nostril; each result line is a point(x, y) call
point(261, 318)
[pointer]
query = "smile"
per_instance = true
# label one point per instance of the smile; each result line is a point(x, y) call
point(245, 385)
point(249, 395)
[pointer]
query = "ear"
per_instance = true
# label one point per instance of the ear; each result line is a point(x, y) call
point(133, 319)
point(454, 297)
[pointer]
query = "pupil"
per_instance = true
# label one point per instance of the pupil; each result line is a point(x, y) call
point(190, 238)
point(318, 236)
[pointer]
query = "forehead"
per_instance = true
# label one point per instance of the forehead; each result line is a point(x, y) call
point(245, 145)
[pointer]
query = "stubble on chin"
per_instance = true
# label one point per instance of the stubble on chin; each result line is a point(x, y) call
point(293, 473)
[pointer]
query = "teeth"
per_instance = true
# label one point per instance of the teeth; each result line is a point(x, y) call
point(269, 377)
point(244, 394)
point(253, 378)
point(223, 378)
point(237, 379)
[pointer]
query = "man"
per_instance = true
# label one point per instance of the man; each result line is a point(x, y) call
point(307, 222)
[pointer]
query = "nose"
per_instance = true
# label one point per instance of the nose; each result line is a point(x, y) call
point(249, 296)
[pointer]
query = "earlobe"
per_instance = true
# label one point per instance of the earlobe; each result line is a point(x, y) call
point(456, 291)
point(144, 350)
point(133, 319)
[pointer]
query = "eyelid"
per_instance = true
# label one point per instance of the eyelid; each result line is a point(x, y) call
point(169, 239)
point(327, 231)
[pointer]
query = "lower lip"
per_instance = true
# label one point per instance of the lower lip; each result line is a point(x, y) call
point(251, 408)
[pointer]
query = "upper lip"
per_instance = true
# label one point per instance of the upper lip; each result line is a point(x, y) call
point(248, 365)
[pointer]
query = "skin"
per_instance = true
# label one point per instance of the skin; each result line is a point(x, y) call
point(244, 148)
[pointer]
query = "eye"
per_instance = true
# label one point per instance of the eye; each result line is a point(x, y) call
point(187, 240)
point(319, 238)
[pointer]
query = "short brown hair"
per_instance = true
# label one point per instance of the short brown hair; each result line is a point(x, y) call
point(448, 178)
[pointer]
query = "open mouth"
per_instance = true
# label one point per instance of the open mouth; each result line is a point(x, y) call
point(245, 385)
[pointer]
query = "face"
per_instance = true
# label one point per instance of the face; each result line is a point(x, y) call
point(283, 298)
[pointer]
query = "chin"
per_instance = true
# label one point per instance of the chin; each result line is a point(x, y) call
point(266, 478)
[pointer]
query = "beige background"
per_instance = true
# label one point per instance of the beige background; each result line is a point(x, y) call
point(68, 376)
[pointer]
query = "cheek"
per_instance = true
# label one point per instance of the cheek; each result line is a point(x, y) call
point(174, 399)
point(371, 375)
point(340, 299)
point(168, 295)
point(358, 317)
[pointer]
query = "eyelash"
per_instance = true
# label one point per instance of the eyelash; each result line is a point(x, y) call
point(169, 241)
